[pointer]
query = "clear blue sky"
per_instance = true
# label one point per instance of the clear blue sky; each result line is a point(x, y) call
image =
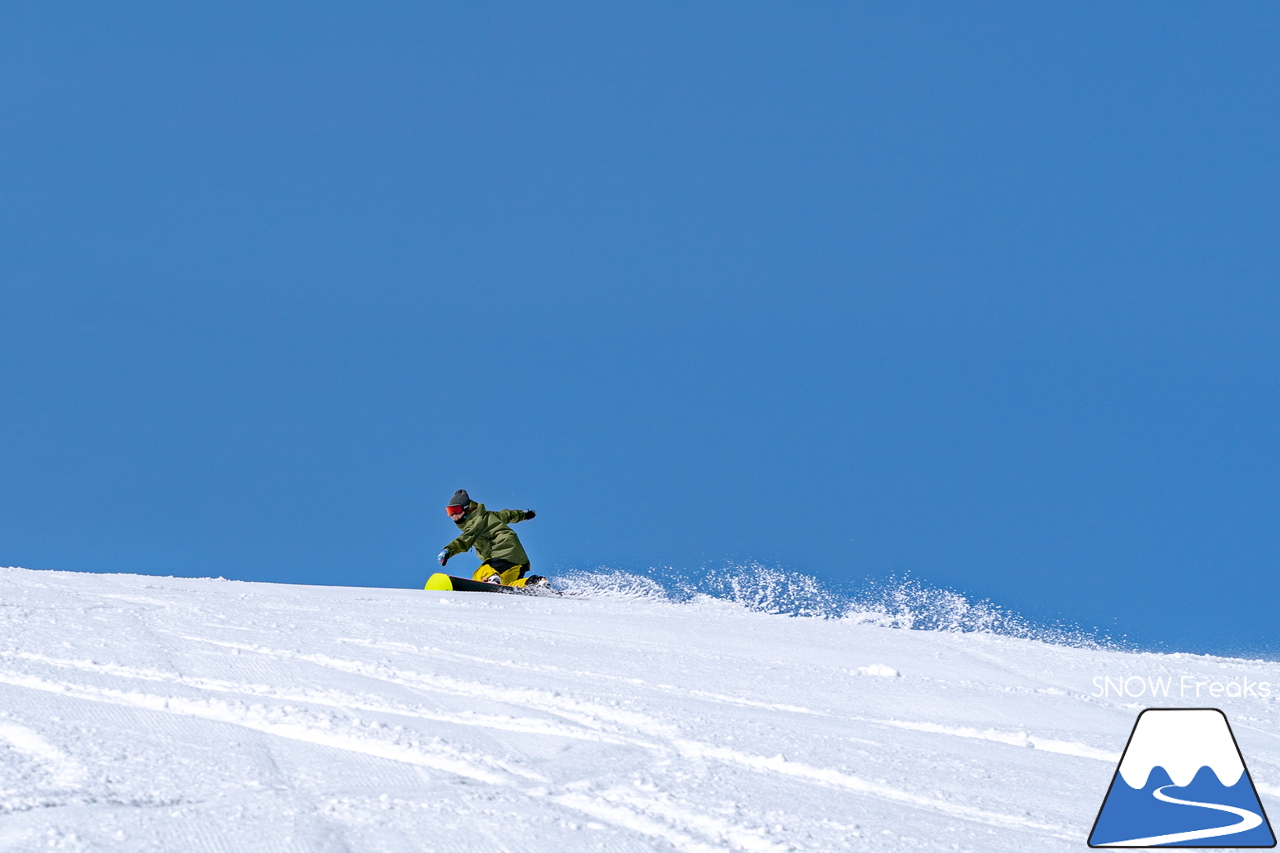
point(982, 292)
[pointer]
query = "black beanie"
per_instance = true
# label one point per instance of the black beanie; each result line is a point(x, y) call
point(460, 498)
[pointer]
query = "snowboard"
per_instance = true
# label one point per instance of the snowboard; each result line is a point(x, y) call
point(442, 582)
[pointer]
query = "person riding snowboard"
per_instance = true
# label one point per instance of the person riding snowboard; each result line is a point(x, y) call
point(502, 557)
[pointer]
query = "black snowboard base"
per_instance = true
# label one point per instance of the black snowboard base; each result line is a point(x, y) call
point(445, 583)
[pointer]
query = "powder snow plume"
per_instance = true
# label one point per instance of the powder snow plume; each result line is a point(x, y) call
point(892, 603)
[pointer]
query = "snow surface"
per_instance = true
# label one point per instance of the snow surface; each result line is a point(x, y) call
point(162, 714)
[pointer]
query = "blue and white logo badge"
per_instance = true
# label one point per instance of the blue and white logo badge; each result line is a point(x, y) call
point(1182, 783)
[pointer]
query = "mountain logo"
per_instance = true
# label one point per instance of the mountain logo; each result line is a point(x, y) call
point(1181, 783)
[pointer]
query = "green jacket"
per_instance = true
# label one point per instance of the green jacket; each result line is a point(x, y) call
point(488, 533)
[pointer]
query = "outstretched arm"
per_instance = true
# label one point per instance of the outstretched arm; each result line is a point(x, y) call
point(511, 516)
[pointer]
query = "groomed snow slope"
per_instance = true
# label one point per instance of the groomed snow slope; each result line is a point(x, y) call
point(141, 713)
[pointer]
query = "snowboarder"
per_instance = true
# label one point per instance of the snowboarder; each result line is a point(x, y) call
point(502, 557)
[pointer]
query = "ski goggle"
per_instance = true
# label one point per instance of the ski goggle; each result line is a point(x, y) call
point(456, 512)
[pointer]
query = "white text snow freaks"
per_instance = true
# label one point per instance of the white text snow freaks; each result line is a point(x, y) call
point(1179, 687)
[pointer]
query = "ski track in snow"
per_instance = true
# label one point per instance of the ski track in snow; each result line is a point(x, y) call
point(64, 772)
point(144, 713)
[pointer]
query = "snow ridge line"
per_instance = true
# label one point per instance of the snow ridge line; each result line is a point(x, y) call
point(335, 699)
point(599, 676)
point(588, 714)
point(694, 749)
point(238, 715)
point(608, 807)
point(1020, 738)
point(627, 811)
point(289, 724)
point(779, 764)
point(369, 703)
point(66, 771)
point(1062, 747)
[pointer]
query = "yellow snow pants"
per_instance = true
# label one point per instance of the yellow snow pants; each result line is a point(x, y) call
point(511, 577)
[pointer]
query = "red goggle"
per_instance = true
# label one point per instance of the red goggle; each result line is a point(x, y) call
point(456, 511)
